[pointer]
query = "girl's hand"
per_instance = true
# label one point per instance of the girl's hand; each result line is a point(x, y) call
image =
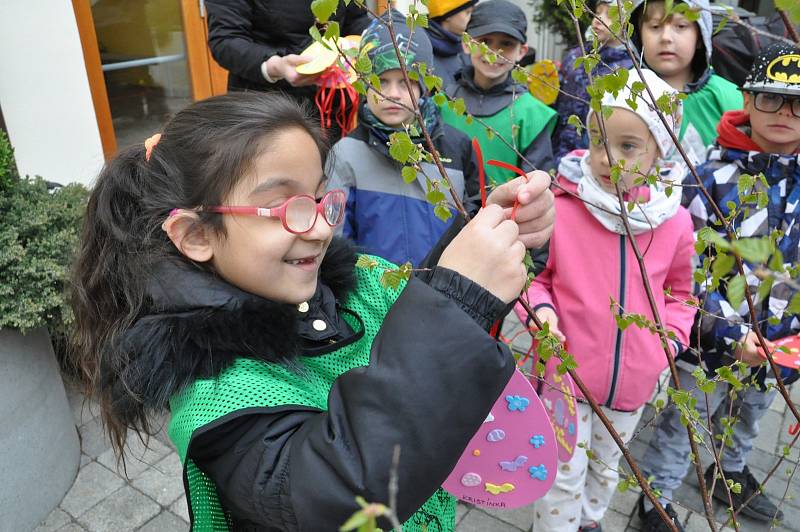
point(750, 351)
point(549, 316)
point(283, 67)
point(536, 212)
point(488, 252)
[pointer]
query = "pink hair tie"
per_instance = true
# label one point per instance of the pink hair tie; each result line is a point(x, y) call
point(149, 144)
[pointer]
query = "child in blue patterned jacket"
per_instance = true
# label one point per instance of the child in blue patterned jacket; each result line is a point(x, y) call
point(762, 139)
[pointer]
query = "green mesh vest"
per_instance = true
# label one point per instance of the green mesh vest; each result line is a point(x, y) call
point(249, 383)
point(521, 121)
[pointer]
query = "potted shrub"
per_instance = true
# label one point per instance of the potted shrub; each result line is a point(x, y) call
point(39, 226)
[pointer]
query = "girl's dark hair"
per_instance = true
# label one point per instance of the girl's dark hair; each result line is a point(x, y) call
point(203, 152)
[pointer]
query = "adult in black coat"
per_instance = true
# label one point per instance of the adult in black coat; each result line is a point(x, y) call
point(259, 42)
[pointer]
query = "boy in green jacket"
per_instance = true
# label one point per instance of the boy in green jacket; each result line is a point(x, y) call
point(516, 117)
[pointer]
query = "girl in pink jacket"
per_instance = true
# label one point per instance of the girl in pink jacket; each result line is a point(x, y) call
point(592, 274)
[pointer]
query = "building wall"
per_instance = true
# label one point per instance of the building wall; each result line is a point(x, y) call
point(44, 92)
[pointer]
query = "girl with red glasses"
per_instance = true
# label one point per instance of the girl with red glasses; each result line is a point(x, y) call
point(209, 284)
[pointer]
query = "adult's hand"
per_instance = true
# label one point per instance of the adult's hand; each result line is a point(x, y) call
point(536, 211)
point(285, 67)
point(488, 252)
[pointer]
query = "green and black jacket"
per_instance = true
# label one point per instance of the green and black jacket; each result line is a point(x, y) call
point(280, 425)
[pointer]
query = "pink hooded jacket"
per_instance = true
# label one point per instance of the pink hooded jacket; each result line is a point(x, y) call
point(589, 265)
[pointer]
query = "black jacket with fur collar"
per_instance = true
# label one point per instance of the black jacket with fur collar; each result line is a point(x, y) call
point(198, 324)
point(297, 468)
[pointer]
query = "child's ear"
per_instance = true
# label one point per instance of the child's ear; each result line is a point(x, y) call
point(523, 49)
point(188, 235)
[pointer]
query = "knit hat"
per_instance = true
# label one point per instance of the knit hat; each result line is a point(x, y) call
point(441, 9)
point(377, 41)
point(498, 16)
point(776, 69)
point(646, 108)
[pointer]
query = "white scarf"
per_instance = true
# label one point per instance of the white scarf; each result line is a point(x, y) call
point(646, 216)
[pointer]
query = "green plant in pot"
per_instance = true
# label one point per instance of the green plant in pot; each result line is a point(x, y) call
point(39, 227)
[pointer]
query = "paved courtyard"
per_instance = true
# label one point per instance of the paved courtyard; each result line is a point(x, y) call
point(151, 499)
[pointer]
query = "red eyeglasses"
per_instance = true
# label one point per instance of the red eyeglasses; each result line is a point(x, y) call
point(298, 214)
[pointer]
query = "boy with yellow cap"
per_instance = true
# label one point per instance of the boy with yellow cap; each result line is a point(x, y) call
point(448, 20)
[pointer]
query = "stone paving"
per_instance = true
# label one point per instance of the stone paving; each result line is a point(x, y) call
point(150, 497)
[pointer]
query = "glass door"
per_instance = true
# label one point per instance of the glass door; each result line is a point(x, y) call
point(144, 62)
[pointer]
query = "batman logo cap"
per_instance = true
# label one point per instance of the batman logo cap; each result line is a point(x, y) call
point(777, 70)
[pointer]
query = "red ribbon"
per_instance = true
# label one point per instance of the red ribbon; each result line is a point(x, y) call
point(481, 171)
point(330, 82)
point(516, 170)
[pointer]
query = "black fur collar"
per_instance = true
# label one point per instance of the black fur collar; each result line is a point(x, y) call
point(201, 324)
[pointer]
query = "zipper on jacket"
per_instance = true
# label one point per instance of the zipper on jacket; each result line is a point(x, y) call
point(618, 344)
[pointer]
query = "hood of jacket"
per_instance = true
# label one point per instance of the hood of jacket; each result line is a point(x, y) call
point(445, 43)
point(482, 102)
point(701, 64)
point(733, 132)
point(198, 324)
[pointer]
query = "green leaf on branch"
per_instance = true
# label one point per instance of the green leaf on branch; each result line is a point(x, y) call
point(374, 80)
point(409, 174)
point(365, 519)
point(776, 262)
point(442, 212)
point(433, 82)
point(439, 99)
point(709, 236)
point(567, 363)
point(360, 88)
point(435, 196)
point(366, 262)
point(794, 304)
point(393, 278)
point(726, 373)
point(363, 64)
point(315, 34)
point(754, 249)
point(735, 487)
point(332, 31)
point(459, 106)
point(735, 291)
point(400, 146)
point(765, 287)
point(323, 9)
point(722, 265)
point(791, 7)
point(699, 276)
point(575, 122)
point(520, 76)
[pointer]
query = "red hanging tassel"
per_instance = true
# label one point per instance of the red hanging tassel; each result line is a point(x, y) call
point(331, 81)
